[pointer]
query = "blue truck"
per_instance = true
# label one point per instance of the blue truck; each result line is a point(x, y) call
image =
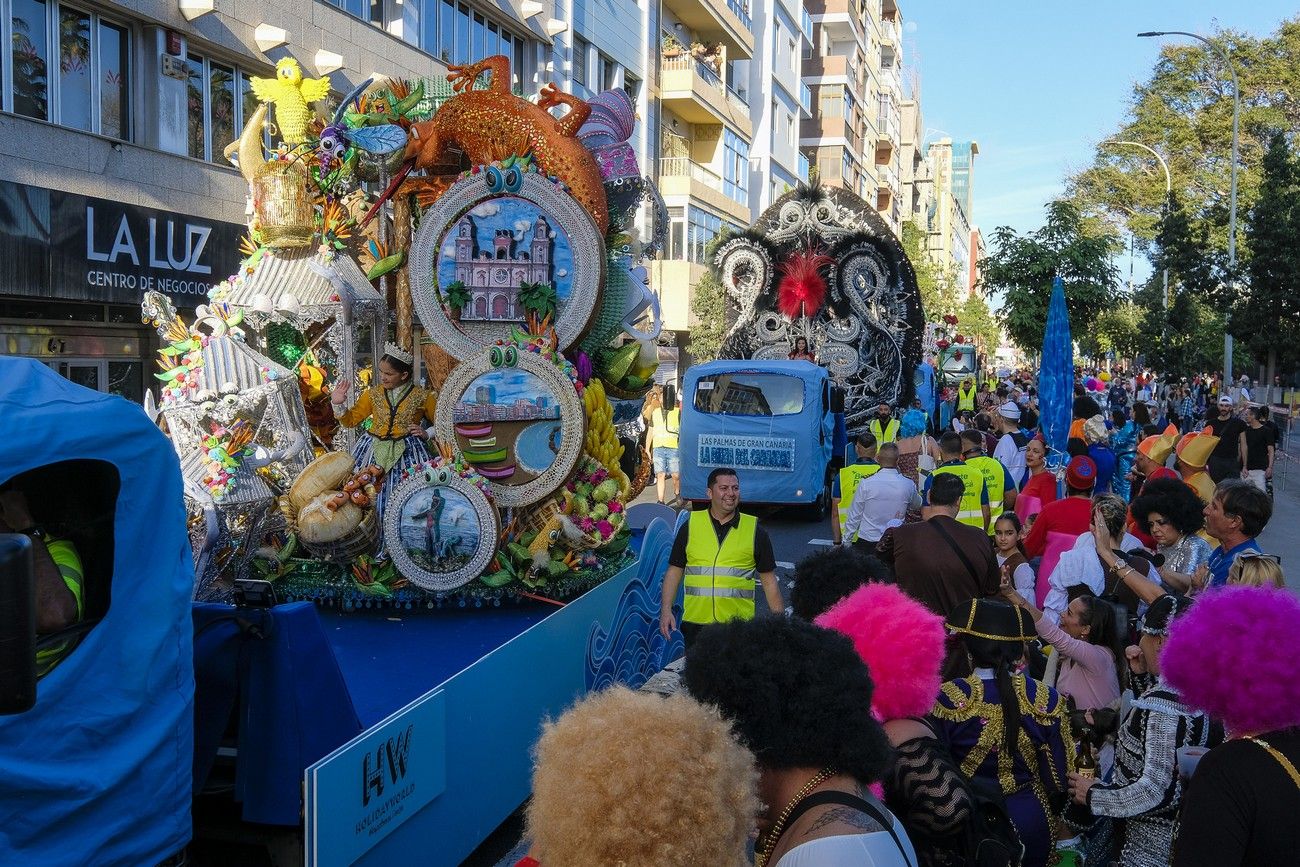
point(771, 421)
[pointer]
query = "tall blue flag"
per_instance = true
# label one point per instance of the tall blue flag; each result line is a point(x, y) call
point(1056, 378)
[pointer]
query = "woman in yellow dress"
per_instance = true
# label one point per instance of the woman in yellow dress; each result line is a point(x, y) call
point(398, 411)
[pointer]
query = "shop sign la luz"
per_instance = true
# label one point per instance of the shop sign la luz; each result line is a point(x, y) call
point(103, 250)
point(166, 253)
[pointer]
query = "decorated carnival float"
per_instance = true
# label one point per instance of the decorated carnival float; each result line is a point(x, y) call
point(822, 265)
point(503, 243)
point(409, 412)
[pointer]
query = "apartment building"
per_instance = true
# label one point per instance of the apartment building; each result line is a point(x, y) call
point(705, 133)
point(948, 224)
point(853, 69)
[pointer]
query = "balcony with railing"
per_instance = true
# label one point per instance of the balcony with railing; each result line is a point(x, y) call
point(805, 99)
point(889, 31)
point(806, 25)
point(680, 176)
point(726, 21)
point(830, 66)
point(695, 92)
point(886, 178)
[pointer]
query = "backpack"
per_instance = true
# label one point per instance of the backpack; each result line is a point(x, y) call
point(991, 839)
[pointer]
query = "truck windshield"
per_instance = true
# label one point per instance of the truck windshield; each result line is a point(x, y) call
point(764, 394)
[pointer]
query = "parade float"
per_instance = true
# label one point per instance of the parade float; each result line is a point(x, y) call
point(821, 264)
point(390, 632)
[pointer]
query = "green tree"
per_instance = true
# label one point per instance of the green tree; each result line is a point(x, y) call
point(1117, 329)
point(1184, 111)
point(936, 285)
point(976, 322)
point(1021, 268)
point(1183, 248)
point(709, 304)
point(1268, 316)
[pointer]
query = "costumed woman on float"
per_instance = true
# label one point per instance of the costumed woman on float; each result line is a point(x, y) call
point(398, 410)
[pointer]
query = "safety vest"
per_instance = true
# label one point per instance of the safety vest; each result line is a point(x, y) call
point(666, 428)
point(886, 433)
point(965, 399)
point(849, 478)
point(971, 511)
point(65, 558)
point(995, 480)
point(719, 583)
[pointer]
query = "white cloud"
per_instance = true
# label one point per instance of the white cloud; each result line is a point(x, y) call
point(521, 227)
point(487, 209)
point(449, 250)
point(562, 272)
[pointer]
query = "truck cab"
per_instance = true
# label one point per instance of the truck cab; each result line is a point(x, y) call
point(771, 421)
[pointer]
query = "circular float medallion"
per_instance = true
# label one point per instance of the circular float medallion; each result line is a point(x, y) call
point(516, 419)
point(509, 244)
point(440, 529)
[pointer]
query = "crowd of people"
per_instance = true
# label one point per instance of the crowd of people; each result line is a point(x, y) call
point(1010, 657)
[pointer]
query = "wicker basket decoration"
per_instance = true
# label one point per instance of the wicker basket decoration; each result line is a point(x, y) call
point(283, 204)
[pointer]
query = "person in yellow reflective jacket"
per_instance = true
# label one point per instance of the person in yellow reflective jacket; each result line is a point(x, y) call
point(846, 481)
point(966, 395)
point(719, 552)
point(974, 508)
point(58, 571)
point(884, 427)
point(997, 479)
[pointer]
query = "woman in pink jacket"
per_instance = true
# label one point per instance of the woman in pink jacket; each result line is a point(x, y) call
point(1088, 641)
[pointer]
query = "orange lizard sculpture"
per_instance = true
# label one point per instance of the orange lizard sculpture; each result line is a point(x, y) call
point(494, 124)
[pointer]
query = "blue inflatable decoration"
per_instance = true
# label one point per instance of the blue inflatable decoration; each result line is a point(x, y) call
point(99, 770)
point(1056, 376)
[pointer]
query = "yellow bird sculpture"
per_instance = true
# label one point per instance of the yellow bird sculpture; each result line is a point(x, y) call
point(291, 94)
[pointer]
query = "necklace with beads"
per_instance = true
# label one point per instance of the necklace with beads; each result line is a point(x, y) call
point(769, 841)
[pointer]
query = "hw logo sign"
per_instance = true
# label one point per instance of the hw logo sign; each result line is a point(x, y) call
point(387, 764)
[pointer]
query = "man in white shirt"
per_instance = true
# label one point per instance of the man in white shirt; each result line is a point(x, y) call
point(880, 499)
point(1010, 450)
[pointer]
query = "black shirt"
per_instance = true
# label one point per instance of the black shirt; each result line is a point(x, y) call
point(1241, 806)
point(1258, 439)
point(764, 559)
point(1227, 430)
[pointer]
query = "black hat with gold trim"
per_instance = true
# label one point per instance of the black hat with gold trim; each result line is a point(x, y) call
point(1161, 614)
point(992, 619)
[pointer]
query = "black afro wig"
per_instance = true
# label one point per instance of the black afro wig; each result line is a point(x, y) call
point(824, 578)
point(798, 695)
point(1172, 499)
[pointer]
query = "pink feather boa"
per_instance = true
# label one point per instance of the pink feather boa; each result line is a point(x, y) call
point(902, 643)
point(1233, 656)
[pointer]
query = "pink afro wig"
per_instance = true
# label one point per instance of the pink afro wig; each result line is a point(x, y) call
point(900, 640)
point(1233, 656)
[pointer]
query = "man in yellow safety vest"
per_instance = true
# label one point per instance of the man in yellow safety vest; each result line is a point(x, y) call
point(974, 509)
point(846, 482)
point(966, 395)
point(59, 600)
point(997, 479)
point(719, 552)
point(884, 427)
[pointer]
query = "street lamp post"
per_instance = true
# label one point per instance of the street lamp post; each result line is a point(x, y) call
point(1169, 191)
point(1232, 212)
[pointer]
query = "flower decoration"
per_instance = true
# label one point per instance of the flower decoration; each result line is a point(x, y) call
point(225, 448)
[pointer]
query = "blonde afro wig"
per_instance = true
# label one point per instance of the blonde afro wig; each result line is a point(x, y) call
point(630, 778)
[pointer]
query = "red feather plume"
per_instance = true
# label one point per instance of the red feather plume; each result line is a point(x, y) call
point(802, 290)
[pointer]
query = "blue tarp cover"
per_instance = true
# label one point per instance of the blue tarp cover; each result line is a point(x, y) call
point(98, 772)
point(803, 440)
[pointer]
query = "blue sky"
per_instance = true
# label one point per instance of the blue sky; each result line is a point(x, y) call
point(1038, 84)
